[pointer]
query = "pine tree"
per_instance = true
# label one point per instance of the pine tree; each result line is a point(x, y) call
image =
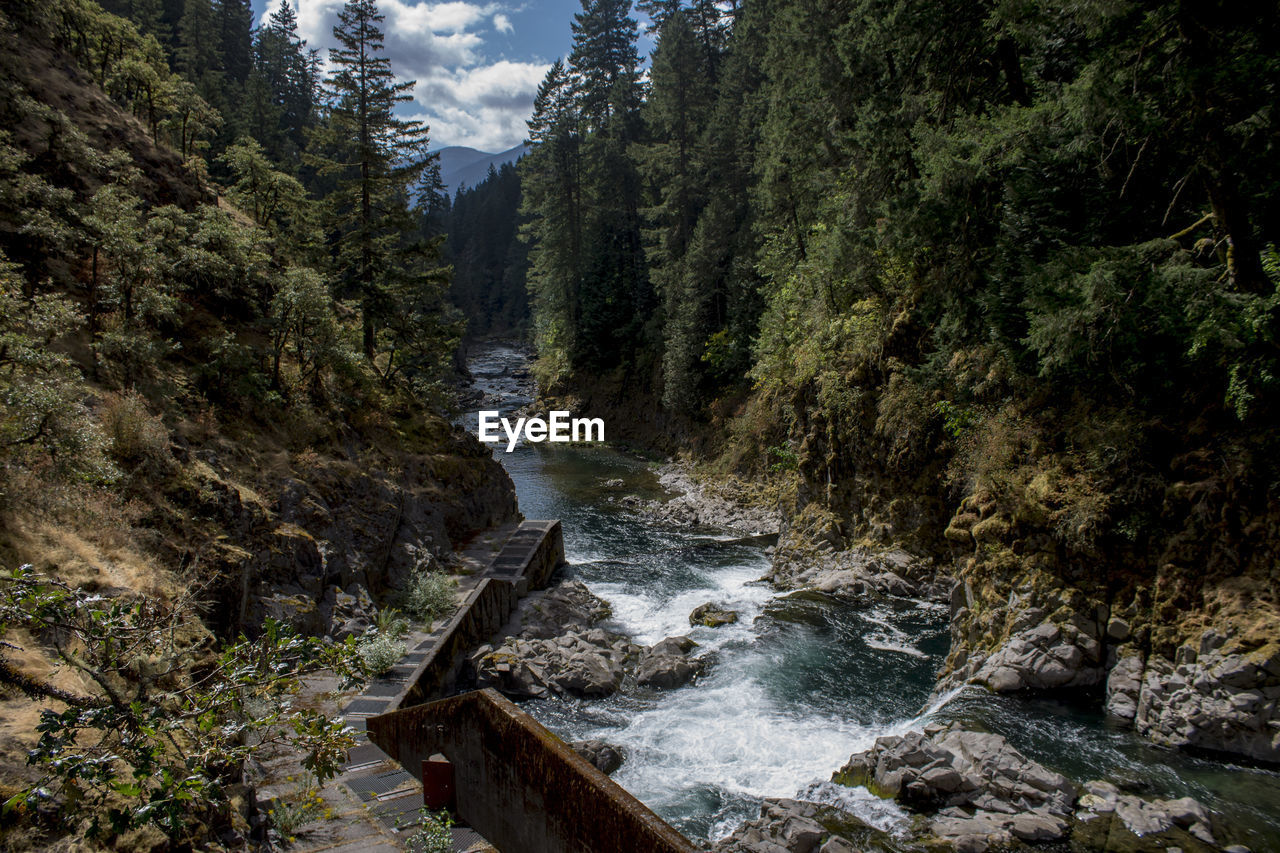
point(676, 112)
point(552, 203)
point(614, 298)
point(235, 25)
point(282, 88)
point(374, 158)
point(199, 38)
point(605, 60)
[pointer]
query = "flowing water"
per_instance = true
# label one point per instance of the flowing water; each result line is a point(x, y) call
point(797, 686)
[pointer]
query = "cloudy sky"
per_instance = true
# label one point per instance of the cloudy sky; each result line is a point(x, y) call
point(478, 64)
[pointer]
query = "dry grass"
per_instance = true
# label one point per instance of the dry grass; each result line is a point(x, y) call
point(88, 558)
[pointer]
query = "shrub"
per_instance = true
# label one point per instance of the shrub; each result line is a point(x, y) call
point(135, 433)
point(430, 594)
point(379, 652)
point(434, 834)
point(149, 746)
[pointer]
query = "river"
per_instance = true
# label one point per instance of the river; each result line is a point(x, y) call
point(796, 686)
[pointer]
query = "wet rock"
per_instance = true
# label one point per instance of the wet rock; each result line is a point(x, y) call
point(1045, 657)
point(667, 664)
point(1110, 820)
point(712, 616)
point(1040, 636)
point(589, 664)
point(565, 608)
point(947, 767)
point(1214, 695)
point(795, 826)
point(604, 756)
point(1124, 685)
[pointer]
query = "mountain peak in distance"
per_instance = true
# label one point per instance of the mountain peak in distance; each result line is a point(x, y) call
point(461, 166)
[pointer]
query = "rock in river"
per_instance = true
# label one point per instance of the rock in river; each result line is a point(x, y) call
point(712, 616)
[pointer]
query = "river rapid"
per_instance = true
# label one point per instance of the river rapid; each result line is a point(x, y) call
point(797, 686)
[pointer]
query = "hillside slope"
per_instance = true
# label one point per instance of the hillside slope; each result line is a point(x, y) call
point(161, 435)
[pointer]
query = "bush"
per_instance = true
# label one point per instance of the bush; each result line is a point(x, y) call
point(430, 595)
point(135, 433)
point(148, 746)
point(379, 652)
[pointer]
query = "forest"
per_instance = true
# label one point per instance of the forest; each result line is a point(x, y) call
point(994, 281)
point(997, 279)
point(221, 281)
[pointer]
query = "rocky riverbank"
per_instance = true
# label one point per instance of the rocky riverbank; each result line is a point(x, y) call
point(321, 540)
point(729, 504)
point(972, 792)
point(1019, 625)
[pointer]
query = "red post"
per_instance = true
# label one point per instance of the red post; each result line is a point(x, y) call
point(437, 783)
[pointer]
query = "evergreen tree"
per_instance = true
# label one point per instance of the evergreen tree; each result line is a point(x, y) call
point(552, 181)
point(199, 40)
point(374, 158)
point(615, 298)
point(235, 24)
point(604, 60)
point(675, 114)
point(282, 88)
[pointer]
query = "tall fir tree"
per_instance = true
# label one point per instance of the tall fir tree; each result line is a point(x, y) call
point(552, 204)
point(374, 157)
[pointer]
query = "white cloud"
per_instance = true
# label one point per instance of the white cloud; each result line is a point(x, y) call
point(466, 99)
point(483, 107)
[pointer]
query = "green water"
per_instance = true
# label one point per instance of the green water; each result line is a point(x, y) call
point(797, 686)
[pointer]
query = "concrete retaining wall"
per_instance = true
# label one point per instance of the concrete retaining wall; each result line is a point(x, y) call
point(520, 786)
point(526, 561)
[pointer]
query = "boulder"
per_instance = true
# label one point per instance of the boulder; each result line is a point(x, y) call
point(950, 767)
point(604, 756)
point(795, 826)
point(666, 665)
point(589, 664)
point(711, 616)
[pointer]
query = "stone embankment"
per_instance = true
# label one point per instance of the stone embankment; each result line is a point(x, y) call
point(1218, 692)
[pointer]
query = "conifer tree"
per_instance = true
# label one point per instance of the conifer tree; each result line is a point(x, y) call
point(374, 157)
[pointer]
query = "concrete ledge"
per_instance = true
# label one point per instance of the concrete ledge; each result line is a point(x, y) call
point(519, 785)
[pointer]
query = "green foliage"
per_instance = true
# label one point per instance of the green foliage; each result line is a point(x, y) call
point(156, 744)
point(956, 419)
point(430, 594)
point(433, 835)
point(379, 652)
point(44, 422)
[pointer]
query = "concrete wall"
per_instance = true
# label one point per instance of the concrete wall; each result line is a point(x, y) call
point(529, 558)
point(486, 610)
point(520, 786)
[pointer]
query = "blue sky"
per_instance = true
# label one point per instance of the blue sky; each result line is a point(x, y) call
point(477, 63)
